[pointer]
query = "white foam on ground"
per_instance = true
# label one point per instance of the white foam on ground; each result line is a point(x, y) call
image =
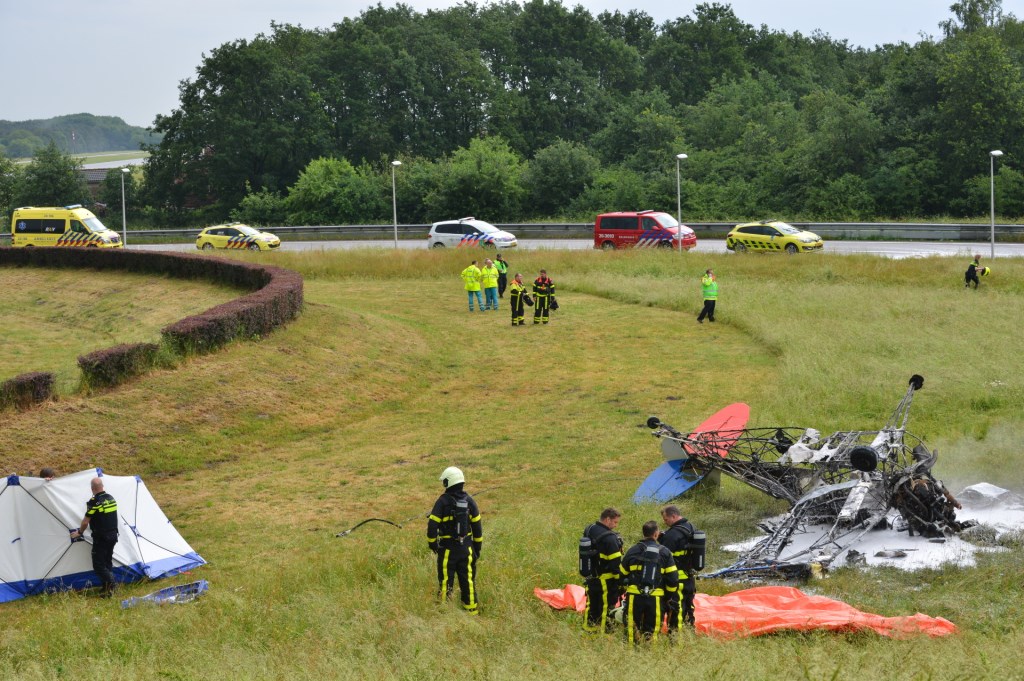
point(989, 505)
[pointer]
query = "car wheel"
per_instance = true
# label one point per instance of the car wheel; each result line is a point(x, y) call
point(791, 248)
point(608, 246)
point(438, 244)
point(207, 246)
point(254, 247)
point(739, 247)
point(665, 244)
point(488, 246)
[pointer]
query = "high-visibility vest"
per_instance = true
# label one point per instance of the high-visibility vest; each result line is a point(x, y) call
point(471, 275)
point(490, 277)
point(501, 265)
point(709, 287)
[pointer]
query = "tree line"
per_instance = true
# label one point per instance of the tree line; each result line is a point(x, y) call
point(534, 111)
point(73, 134)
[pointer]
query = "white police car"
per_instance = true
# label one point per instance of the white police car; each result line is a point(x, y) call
point(469, 233)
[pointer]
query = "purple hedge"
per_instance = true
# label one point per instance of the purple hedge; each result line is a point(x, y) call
point(276, 297)
point(114, 365)
point(27, 389)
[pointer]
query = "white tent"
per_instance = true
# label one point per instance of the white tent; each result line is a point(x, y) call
point(36, 520)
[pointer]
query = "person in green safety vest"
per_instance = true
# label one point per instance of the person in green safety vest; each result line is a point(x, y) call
point(709, 289)
point(502, 266)
point(489, 277)
point(471, 275)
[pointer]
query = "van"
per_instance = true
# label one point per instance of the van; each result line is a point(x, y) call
point(641, 229)
point(70, 226)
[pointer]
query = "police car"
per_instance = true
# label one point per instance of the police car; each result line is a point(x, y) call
point(469, 233)
point(235, 235)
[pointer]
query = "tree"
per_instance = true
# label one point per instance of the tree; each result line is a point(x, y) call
point(51, 178)
point(110, 190)
point(331, 191)
point(8, 183)
point(972, 15)
point(556, 176)
point(981, 105)
point(483, 180)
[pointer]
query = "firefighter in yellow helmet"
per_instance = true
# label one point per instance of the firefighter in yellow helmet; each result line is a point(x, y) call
point(455, 534)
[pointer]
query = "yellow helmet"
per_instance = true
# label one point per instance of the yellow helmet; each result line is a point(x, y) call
point(451, 476)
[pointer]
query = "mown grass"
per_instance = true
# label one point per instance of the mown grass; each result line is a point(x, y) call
point(50, 317)
point(262, 452)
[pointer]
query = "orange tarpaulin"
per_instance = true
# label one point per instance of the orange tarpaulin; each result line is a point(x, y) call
point(762, 610)
point(765, 609)
point(572, 596)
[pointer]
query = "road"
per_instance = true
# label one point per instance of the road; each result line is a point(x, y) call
point(889, 249)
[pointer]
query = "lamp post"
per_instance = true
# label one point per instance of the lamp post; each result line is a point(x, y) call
point(992, 194)
point(124, 211)
point(679, 204)
point(394, 200)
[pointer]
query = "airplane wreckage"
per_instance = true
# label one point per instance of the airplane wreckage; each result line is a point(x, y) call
point(839, 487)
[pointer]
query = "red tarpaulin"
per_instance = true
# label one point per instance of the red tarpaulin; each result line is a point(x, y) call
point(762, 610)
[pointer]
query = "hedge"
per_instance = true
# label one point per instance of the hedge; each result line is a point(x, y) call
point(276, 298)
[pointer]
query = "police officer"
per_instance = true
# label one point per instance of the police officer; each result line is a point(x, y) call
point(971, 275)
point(677, 539)
point(543, 289)
point(101, 516)
point(649, 573)
point(603, 581)
point(709, 291)
point(502, 266)
point(455, 534)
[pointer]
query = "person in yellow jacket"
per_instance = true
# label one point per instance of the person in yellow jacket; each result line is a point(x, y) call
point(517, 298)
point(489, 278)
point(471, 276)
point(709, 289)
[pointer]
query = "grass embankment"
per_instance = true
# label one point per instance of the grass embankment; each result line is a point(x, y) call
point(50, 317)
point(262, 452)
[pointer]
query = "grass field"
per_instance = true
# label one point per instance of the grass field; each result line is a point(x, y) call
point(262, 452)
point(50, 317)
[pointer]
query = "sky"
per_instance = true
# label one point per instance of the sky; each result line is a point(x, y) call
point(126, 58)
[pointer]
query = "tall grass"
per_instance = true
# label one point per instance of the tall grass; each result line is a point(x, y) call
point(262, 452)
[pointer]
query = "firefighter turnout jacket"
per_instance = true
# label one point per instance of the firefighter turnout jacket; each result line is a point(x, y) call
point(455, 522)
point(649, 569)
point(677, 540)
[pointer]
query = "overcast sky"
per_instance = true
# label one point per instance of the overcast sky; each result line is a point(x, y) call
point(126, 57)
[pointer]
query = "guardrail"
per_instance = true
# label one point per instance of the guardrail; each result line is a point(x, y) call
point(585, 230)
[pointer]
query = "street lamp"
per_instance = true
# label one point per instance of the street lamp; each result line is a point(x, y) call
point(124, 211)
point(679, 204)
point(992, 193)
point(394, 200)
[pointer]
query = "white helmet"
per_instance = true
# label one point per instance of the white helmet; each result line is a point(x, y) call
point(451, 476)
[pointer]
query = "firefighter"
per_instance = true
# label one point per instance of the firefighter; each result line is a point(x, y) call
point(971, 275)
point(600, 561)
point(543, 290)
point(455, 534)
point(677, 539)
point(649, 573)
point(709, 290)
point(516, 298)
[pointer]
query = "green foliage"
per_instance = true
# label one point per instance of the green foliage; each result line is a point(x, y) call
point(556, 176)
point(483, 180)
point(8, 184)
point(774, 123)
point(261, 208)
point(50, 179)
point(111, 191)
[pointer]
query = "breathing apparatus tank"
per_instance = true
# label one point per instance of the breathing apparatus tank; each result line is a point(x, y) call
point(696, 550)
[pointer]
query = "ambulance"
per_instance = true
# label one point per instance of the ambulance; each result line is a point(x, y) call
point(66, 227)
